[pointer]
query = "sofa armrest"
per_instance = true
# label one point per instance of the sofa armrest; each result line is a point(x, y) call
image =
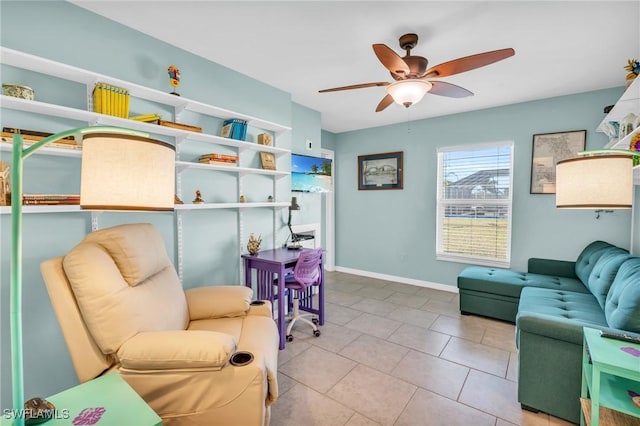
point(218, 301)
point(177, 349)
point(559, 268)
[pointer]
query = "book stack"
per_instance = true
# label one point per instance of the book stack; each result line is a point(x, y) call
point(50, 199)
point(219, 159)
point(31, 136)
point(111, 100)
point(234, 128)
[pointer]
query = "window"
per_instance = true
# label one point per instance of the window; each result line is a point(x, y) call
point(474, 204)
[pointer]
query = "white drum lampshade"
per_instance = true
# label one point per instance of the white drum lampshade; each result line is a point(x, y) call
point(126, 172)
point(596, 182)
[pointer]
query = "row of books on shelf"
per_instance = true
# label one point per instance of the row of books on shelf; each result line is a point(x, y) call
point(31, 136)
point(50, 199)
point(234, 128)
point(219, 159)
point(111, 100)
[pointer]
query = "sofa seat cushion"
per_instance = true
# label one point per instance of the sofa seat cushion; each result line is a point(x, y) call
point(558, 314)
point(510, 283)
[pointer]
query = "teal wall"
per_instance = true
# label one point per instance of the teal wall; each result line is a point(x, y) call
point(306, 126)
point(68, 34)
point(396, 227)
point(393, 232)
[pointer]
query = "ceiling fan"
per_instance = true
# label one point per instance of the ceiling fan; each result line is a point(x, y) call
point(412, 76)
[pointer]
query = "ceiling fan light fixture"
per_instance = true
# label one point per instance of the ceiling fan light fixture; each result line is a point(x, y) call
point(408, 92)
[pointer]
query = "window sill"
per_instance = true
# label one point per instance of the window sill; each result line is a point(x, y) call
point(474, 260)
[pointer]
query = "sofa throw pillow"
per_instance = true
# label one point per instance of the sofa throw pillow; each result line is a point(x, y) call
point(622, 307)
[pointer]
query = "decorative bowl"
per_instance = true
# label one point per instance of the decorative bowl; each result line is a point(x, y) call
point(18, 91)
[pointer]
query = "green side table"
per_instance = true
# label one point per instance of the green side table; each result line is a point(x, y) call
point(608, 373)
point(105, 401)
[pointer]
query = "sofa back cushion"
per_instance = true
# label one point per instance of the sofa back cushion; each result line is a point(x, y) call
point(604, 272)
point(124, 284)
point(622, 307)
point(589, 257)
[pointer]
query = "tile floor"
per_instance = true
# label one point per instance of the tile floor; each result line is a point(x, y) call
point(396, 354)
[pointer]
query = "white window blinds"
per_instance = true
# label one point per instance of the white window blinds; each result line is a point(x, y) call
point(474, 204)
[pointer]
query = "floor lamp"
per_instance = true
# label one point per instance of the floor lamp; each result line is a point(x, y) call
point(295, 245)
point(122, 169)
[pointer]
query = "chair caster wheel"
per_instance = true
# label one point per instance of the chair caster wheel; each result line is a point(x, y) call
point(289, 338)
point(316, 333)
point(315, 321)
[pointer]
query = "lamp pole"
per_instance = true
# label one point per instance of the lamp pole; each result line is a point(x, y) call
point(19, 154)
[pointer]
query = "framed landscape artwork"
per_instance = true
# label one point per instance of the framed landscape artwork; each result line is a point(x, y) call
point(548, 149)
point(380, 171)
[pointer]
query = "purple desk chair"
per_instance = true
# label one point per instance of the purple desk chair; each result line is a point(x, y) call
point(306, 274)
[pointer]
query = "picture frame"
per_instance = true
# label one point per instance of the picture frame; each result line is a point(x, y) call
point(267, 161)
point(547, 150)
point(380, 171)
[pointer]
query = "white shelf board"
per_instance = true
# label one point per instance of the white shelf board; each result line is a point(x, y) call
point(108, 120)
point(45, 209)
point(183, 165)
point(628, 102)
point(79, 75)
point(209, 206)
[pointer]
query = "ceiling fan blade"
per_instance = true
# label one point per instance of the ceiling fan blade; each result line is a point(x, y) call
point(447, 89)
point(385, 102)
point(468, 63)
point(355, 86)
point(391, 60)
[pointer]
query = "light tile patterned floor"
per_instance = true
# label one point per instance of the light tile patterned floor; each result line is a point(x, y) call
point(396, 354)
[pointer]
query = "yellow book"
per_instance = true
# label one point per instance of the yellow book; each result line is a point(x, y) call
point(97, 97)
point(127, 99)
point(105, 98)
point(120, 102)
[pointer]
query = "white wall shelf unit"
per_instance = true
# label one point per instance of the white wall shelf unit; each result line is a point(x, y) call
point(179, 104)
point(629, 102)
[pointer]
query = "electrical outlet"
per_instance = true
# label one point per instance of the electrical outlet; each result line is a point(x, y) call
point(309, 145)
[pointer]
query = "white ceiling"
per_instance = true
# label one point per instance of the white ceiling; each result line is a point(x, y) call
point(562, 47)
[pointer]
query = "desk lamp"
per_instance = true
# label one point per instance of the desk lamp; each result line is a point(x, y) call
point(295, 245)
point(122, 169)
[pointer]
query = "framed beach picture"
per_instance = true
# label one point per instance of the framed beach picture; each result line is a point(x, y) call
point(548, 149)
point(380, 171)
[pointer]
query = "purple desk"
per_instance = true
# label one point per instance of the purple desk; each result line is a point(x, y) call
point(267, 264)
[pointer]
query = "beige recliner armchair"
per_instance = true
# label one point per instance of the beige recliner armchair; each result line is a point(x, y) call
point(122, 308)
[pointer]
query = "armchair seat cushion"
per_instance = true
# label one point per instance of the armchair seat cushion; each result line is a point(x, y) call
point(177, 350)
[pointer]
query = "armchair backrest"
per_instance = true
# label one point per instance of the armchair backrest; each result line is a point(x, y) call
point(123, 283)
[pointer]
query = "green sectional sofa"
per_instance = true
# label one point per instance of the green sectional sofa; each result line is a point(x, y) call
point(550, 305)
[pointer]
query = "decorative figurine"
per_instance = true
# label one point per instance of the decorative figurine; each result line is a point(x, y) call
point(174, 78)
point(254, 244)
point(177, 200)
point(198, 199)
point(242, 198)
point(270, 199)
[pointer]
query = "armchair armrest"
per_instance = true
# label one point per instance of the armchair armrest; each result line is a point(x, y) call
point(560, 268)
point(261, 308)
point(177, 349)
point(218, 301)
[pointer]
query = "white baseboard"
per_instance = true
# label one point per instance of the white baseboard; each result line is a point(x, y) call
point(410, 281)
